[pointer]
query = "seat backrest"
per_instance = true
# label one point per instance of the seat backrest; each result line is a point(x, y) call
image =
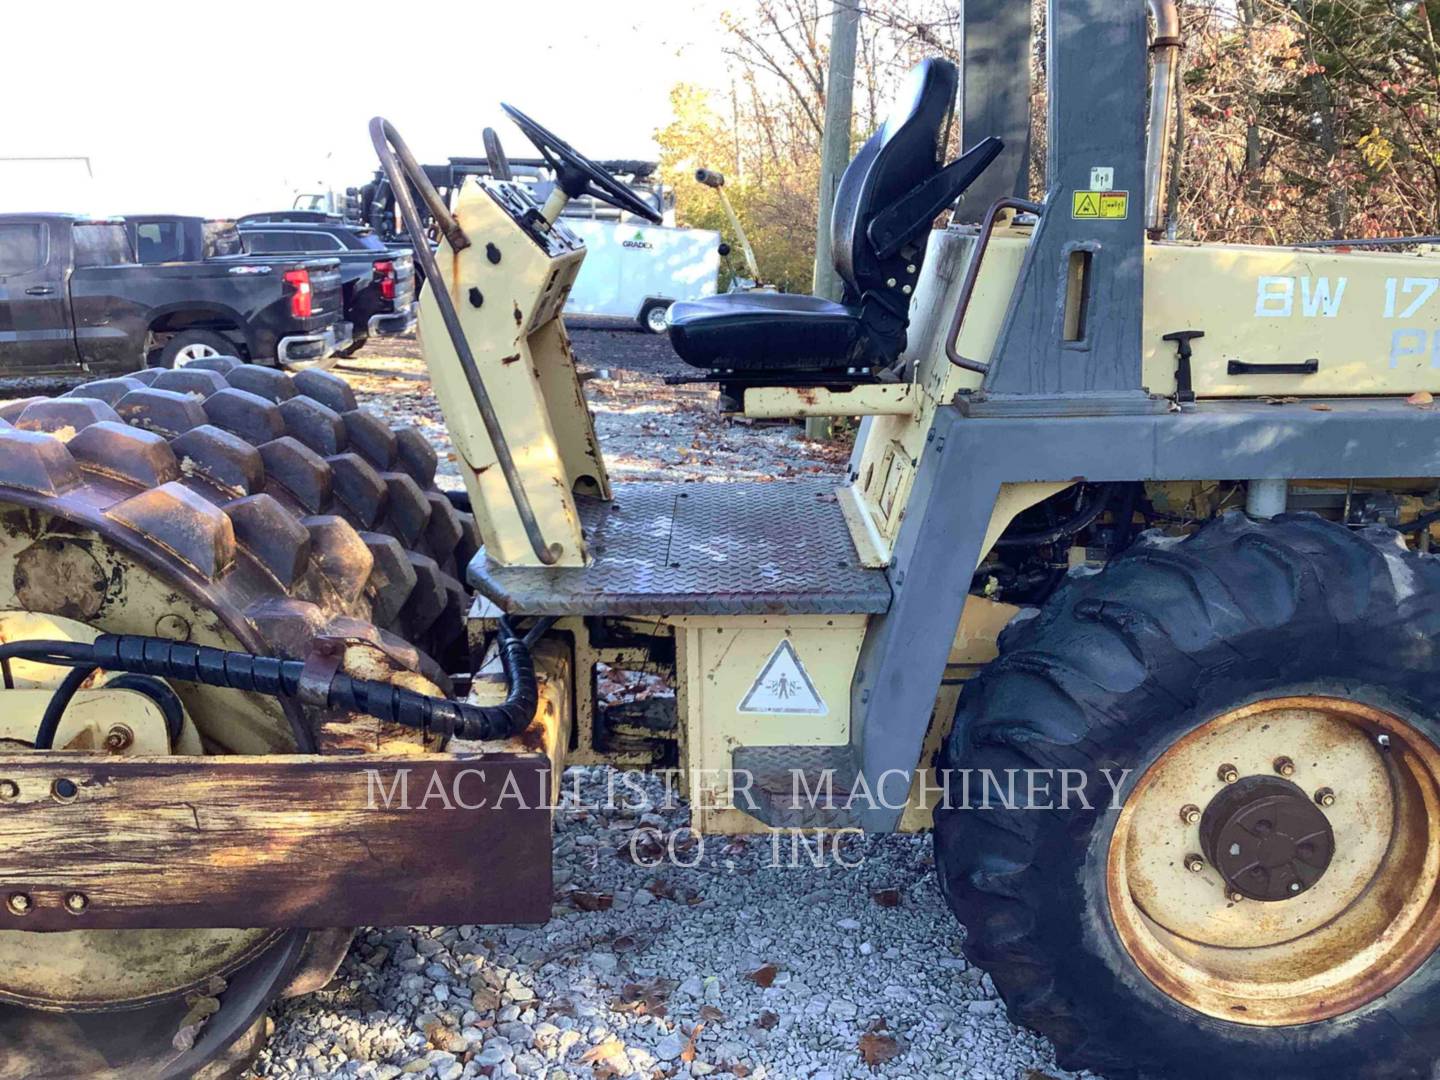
point(907, 150)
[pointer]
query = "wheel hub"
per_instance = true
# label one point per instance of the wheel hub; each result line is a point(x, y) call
point(1358, 831)
point(1267, 838)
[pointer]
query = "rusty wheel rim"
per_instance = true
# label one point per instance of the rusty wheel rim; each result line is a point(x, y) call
point(1191, 851)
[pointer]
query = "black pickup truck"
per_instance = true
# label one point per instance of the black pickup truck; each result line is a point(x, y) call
point(379, 280)
point(73, 298)
point(248, 306)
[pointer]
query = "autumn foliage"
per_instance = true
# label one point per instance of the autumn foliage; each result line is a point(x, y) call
point(1301, 119)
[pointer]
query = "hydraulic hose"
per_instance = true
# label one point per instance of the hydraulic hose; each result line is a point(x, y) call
point(166, 659)
point(1081, 519)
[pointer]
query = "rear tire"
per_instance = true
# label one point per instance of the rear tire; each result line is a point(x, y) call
point(654, 316)
point(356, 344)
point(188, 346)
point(1114, 673)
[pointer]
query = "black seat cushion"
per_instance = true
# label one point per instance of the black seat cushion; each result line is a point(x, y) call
point(765, 331)
point(769, 332)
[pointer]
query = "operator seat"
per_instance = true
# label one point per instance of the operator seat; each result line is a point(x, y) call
point(884, 206)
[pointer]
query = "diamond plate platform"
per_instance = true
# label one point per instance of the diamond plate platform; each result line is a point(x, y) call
point(701, 549)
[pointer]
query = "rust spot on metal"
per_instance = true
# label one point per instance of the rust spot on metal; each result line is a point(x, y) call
point(519, 315)
point(510, 359)
point(60, 578)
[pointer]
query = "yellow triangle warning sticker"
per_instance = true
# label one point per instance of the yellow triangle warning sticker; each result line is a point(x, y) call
point(1087, 204)
point(784, 686)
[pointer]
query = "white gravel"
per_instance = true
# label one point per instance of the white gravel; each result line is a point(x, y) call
point(669, 980)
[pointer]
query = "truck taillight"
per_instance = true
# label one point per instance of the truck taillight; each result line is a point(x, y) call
point(301, 298)
point(385, 271)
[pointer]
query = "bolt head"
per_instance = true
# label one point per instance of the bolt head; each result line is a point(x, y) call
point(1325, 797)
point(1234, 895)
point(119, 737)
point(76, 902)
point(1228, 773)
point(19, 903)
point(1194, 863)
point(9, 790)
point(1284, 766)
point(1190, 814)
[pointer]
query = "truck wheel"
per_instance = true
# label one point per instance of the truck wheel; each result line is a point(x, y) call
point(166, 525)
point(356, 344)
point(188, 346)
point(653, 316)
point(302, 440)
point(1266, 899)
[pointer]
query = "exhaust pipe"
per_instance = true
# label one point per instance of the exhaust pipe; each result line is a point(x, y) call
point(1165, 48)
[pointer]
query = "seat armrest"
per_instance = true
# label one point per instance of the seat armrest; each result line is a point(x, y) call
point(894, 226)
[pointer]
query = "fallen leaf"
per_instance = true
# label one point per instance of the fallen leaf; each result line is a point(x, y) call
point(644, 848)
point(1322, 407)
point(767, 1020)
point(764, 975)
point(603, 1052)
point(661, 889)
point(1423, 397)
point(688, 1054)
point(886, 897)
point(1036, 1074)
point(876, 1049)
point(588, 901)
point(710, 1012)
point(645, 999)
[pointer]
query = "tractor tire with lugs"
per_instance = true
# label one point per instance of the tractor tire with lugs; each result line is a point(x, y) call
point(1260, 898)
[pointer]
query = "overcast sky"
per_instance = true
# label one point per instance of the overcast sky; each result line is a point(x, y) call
point(223, 107)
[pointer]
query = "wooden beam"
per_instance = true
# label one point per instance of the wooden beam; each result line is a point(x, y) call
point(95, 841)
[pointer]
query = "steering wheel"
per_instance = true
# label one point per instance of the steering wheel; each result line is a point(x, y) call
point(576, 174)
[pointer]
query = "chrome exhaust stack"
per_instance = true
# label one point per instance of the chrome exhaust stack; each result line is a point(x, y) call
point(1165, 49)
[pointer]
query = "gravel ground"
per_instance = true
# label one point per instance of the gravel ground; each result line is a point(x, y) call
point(738, 966)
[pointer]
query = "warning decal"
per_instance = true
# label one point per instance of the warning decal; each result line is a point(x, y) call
point(783, 686)
point(1102, 205)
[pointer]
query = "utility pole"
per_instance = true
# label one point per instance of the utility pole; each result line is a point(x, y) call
point(834, 156)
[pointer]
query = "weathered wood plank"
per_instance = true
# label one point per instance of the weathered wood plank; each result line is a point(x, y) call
point(303, 841)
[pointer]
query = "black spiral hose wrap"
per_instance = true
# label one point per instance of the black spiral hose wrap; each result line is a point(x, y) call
point(281, 678)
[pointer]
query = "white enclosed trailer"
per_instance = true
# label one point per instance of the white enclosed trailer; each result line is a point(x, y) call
point(636, 271)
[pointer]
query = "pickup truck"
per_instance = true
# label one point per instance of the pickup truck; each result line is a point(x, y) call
point(244, 306)
point(73, 298)
point(379, 282)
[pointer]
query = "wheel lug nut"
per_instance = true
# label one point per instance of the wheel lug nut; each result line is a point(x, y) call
point(1194, 863)
point(1228, 773)
point(1284, 766)
point(1325, 797)
point(1190, 814)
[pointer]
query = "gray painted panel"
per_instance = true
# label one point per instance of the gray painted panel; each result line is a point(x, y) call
point(995, 99)
point(1097, 72)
